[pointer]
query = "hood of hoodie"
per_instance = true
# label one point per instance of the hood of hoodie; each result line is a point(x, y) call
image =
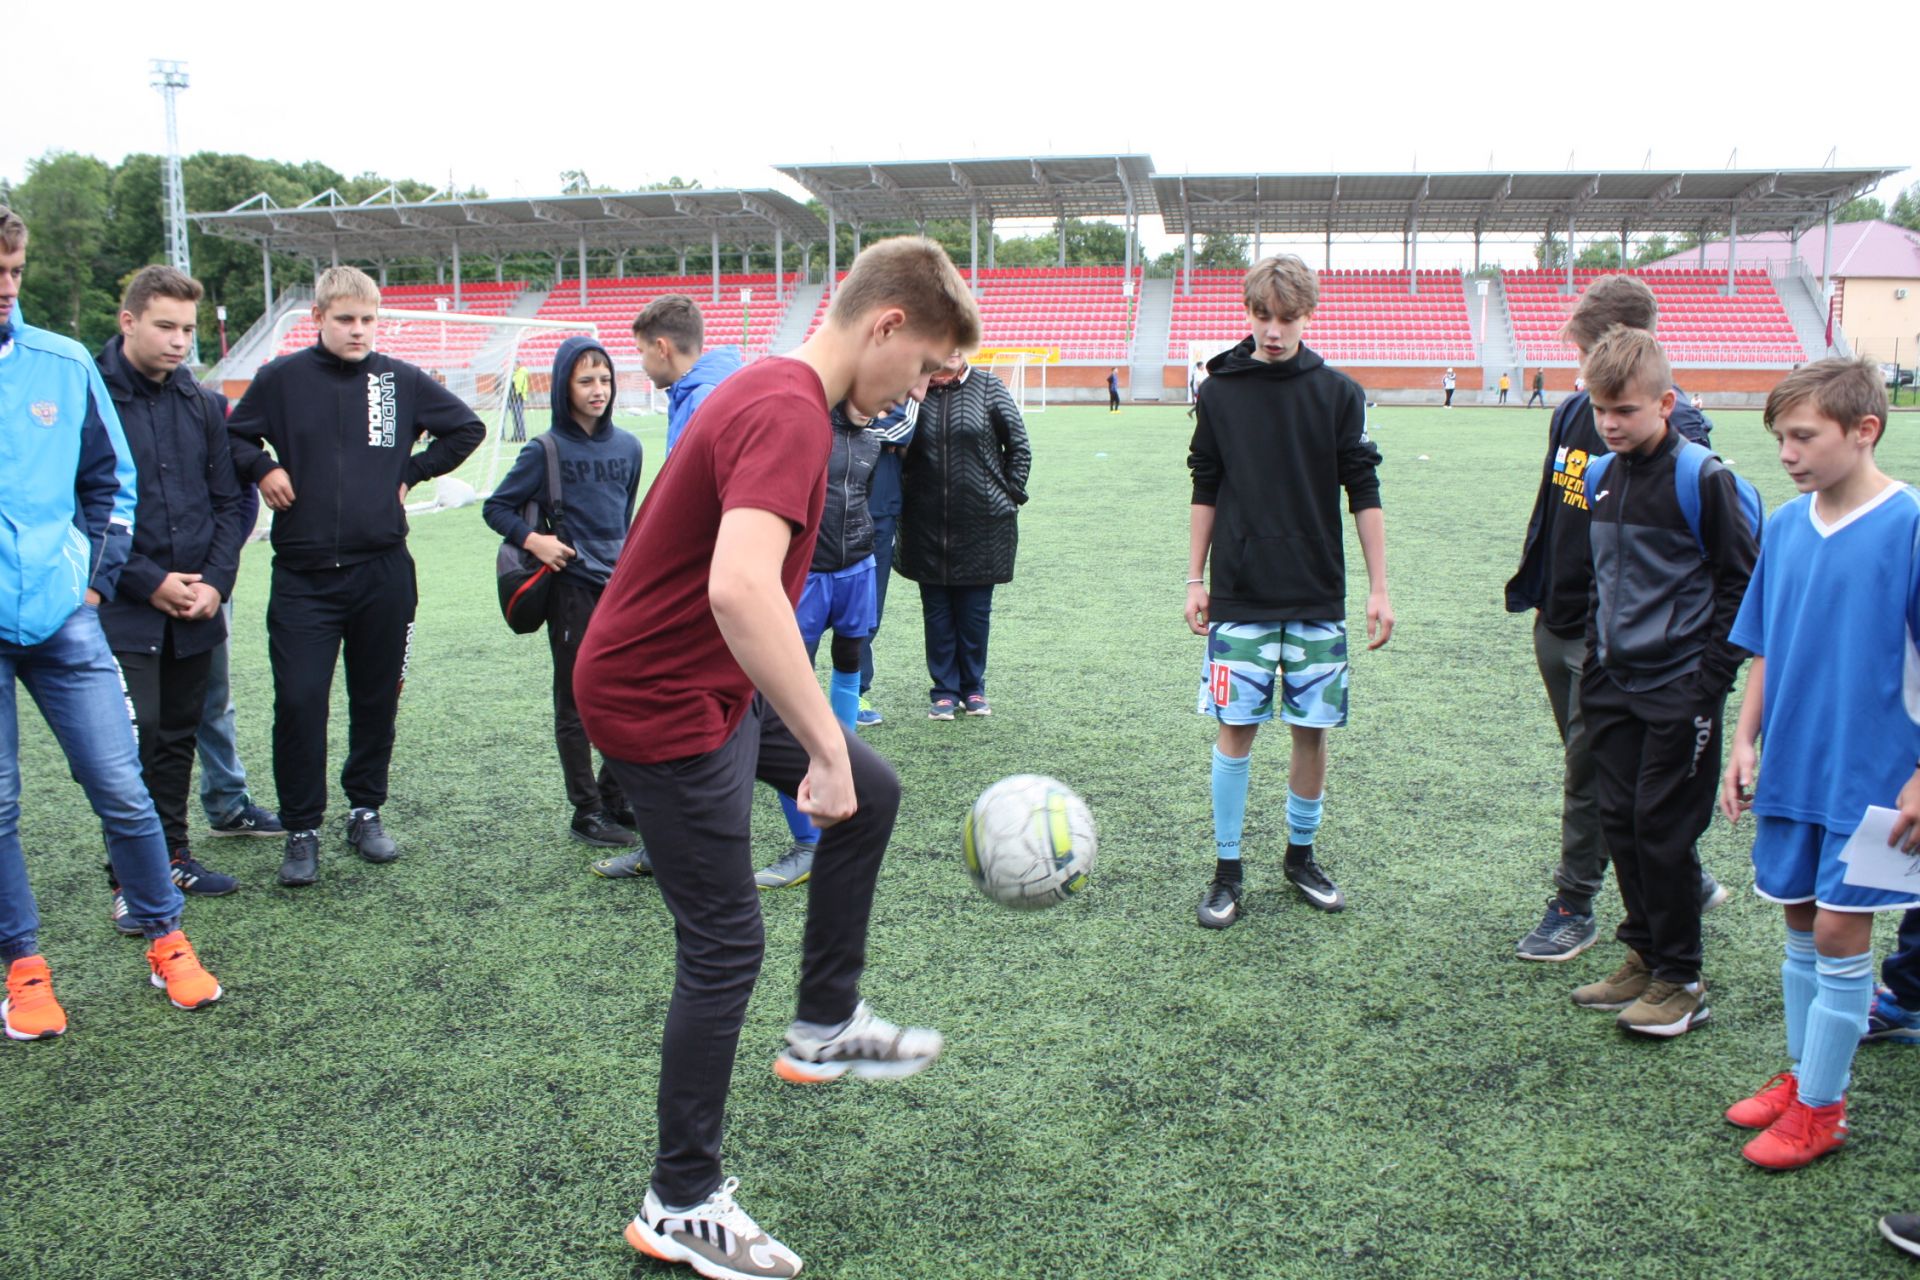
point(709, 370)
point(560, 393)
point(1239, 362)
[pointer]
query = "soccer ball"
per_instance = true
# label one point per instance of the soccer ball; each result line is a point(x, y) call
point(1029, 842)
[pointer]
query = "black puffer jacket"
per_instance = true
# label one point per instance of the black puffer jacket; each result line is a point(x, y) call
point(846, 526)
point(962, 485)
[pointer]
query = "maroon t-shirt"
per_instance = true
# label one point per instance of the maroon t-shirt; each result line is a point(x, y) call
point(654, 681)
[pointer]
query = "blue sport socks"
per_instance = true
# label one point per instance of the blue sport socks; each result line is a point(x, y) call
point(804, 832)
point(843, 694)
point(1303, 817)
point(1229, 804)
point(1797, 988)
point(1834, 1026)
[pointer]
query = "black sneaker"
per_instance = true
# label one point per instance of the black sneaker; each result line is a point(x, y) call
point(368, 838)
point(1220, 908)
point(600, 830)
point(1312, 882)
point(1560, 935)
point(301, 862)
point(198, 880)
point(249, 820)
point(624, 816)
point(123, 924)
point(1902, 1231)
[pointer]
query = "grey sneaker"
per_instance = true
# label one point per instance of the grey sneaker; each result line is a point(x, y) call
point(368, 838)
point(623, 866)
point(300, 864)
point(868, 1046)
point(1712, 893)
point(1560, 935)
point(715, 1237)
point(1622, 988)
point(1666, 1009)
point(793, 867)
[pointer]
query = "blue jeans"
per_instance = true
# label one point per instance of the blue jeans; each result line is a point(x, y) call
point(223, 779)
point(76, 684)
point(883, 527)
point(956, 621)
point(1901, 969)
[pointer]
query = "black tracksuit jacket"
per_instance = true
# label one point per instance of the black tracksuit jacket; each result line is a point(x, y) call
point(345, 433)
point(846, 526)
point(1272, 447)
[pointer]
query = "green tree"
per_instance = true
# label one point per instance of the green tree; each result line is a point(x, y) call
point(66, 201)
point(1652, 249)
point(1603, 255)
point(1860, 209)
point(1906, 208)
point(1550, 253)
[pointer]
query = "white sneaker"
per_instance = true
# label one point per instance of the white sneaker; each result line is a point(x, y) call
point(715, 1237)
point(867, 1046)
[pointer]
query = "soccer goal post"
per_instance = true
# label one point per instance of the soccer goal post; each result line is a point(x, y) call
point(1025, 373)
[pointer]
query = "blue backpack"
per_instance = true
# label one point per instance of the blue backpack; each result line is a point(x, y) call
point(1689, 463)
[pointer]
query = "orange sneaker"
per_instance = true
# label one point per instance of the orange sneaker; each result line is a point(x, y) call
point(1765, 1106)
point(177, 970)
point(30, 1012)
point(1800, 1136)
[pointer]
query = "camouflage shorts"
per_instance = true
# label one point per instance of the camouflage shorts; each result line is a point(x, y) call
point(1246, 660)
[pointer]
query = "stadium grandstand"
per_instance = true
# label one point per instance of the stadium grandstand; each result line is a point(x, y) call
point(1735, 327)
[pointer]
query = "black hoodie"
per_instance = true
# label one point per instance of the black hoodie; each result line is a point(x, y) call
point(344, 431)
point(1274, 445)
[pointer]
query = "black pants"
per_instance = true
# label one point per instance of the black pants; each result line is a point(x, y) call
point(1503, 396)
point(1536, 396)
point(1656, 759)
point(1901, 969)
point(1449, 403)
point(1113, 399)
point(956, 621)
point(569, 606)
point(695, 815)
point(311, 615)
point(167, 693)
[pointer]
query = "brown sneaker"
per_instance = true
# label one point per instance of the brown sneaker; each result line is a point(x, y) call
point(1666, 1009)
point(1619, 990)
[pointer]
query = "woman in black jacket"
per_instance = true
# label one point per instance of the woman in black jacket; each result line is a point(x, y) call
point(963, 482)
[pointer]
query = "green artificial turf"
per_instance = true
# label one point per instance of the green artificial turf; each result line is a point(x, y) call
point(445, 1067)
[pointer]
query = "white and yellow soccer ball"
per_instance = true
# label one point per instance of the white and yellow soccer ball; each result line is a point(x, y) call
point(1029, 842)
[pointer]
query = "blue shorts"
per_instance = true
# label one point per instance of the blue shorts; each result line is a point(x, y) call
point(1248, 662)
point(842, 600)
point(1798, 862)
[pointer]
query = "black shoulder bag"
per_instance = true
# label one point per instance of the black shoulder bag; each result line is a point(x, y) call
point(523, 580)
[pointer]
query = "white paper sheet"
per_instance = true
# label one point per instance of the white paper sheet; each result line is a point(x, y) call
point(1872, 863)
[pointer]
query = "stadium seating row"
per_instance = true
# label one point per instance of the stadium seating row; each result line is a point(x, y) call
point(1699, 322)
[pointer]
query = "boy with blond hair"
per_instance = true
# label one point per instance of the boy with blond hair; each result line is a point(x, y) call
point(1672, 551)
point(1833, 702)
point(1278, 435)
point(1554, 580)
point(341, 420)
point(693, 682)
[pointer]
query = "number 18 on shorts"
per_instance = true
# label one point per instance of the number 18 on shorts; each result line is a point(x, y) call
point(1304, 661)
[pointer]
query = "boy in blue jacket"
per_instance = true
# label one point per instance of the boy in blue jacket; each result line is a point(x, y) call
point(67, 503)
point(669, 333)
point(599, 482)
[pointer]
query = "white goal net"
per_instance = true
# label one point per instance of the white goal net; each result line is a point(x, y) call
point(1025, 376)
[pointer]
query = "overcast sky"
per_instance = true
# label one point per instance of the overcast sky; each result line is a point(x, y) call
point(508, 96)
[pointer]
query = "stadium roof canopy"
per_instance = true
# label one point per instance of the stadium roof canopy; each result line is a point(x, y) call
point(1015, 187)
point(1504, 204)
point(383, 227)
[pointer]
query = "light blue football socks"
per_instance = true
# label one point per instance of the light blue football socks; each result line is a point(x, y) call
point(1229, 804)
point(1835, 1024)
point(1797, 988)
point(1303, 817)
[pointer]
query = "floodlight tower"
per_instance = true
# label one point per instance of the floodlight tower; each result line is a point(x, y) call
point(170, 78)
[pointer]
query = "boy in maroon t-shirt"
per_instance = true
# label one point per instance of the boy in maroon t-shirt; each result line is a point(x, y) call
point(693, 682)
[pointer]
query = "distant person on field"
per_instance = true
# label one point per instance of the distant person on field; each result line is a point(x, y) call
point(963, 484)
point(1555, 580)
point(1279, 436)
point(1831, 617)
point(1113, 391)
point(164, 621)
point(1195, 376)
point(1539, 389)
point(1659, 665)
point(66, 523)
point(327, 433)
point(895, 430)
point(669, 333)
point(599, 483)
point(1505, 384)
point(517, 401)
point(1447, 383)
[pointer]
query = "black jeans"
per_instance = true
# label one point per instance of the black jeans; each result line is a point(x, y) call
point(569, 607)
point(168, 693)
point(1901, 969)
point(1656, 757)
point(883, 527)
point(956, 621)
point(311, 614)
point(695, 815)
